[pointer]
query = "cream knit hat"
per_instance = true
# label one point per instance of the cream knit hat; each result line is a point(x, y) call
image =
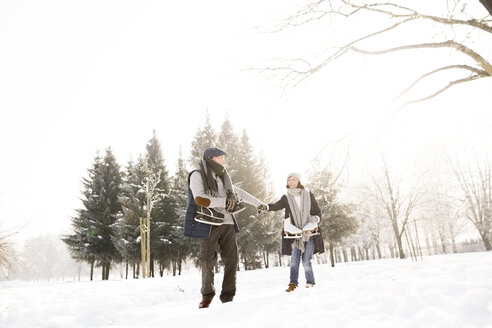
point(295, 175)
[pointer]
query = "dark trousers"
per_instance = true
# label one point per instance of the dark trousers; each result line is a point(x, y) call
point(224, 238)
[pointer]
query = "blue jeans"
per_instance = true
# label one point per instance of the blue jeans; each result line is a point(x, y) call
point(295, 260)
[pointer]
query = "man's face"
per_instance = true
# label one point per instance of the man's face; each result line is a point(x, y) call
point(292, 182)
point(220, 159)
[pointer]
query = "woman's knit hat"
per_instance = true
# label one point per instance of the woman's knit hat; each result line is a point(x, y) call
point(295, 175)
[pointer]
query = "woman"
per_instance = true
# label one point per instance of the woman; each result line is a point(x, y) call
point(301, 237)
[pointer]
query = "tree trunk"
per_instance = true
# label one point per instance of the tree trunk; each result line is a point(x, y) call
point(92, 269)
point(148, 246)
point(179, 263)
point(352, 254)
point(400, 247)
point(486, 242)
point(143, 235)
point(345, 255)
point(332, 256)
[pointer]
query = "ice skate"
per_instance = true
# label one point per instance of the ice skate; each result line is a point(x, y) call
point(311, 226)
point(291, 231)
point(209, 216)
point(238, 208)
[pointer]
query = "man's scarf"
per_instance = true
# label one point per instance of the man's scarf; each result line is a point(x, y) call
point(207, 166)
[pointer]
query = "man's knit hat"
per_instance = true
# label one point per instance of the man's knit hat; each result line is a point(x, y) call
point(295, 175)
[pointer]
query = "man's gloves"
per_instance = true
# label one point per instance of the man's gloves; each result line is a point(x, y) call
point(262, 209)
point(232, 202)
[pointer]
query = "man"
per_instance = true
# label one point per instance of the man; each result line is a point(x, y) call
point(210, 216)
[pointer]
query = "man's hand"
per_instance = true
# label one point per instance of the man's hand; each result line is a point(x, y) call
point(232, 202)
point(262, 209)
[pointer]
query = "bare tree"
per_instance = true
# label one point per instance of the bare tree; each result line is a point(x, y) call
point(7, 252)
point(152, 194)
point(398, 207)
point(440, 217)
point(476, 185)
point(462, 27)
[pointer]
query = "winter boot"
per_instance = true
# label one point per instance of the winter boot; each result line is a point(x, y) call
point(291, 287)
point(291, 231)
point(204, 304)
point(309, 285)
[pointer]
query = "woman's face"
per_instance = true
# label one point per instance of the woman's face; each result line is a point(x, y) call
point(292, 182)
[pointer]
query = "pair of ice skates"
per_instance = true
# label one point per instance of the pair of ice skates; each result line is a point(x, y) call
point(211, 216)
point(293, 232)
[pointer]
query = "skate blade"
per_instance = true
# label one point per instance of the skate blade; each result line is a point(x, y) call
point(209, 222)
point(292, 236)
point(238, 211)
point(313, 232)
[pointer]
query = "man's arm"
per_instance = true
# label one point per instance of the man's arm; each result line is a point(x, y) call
point(201, 198)
point(247, 197)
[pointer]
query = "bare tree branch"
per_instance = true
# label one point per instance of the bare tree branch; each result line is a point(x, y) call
point(465, 67)
point(292, 75)
point(446, 44)
point(438, 92)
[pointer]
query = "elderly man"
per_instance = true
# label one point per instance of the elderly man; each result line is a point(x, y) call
point(213, 202)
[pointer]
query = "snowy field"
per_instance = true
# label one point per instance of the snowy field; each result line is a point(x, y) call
point(440, 291)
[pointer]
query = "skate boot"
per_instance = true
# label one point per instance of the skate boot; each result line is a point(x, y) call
point(209, 216)
point(311, 226)
point(291, 231)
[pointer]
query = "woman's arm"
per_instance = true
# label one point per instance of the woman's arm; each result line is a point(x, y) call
point(280, 204)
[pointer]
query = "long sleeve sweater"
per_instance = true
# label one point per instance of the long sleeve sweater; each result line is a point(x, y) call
point(219, 202)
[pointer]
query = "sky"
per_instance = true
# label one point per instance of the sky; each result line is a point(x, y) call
point(452, 291)
point(77, 77)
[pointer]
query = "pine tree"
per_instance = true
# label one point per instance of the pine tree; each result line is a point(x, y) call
point(248, 172)
point(229, 142)
point(163, 210)
point(181, 248)
point(94, 225)
point(337, 221)
point(204, 138)
point(127, 239)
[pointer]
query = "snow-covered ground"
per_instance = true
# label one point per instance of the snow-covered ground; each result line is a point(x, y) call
point(440, 291)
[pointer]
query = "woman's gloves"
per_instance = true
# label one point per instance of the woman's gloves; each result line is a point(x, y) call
point(313, 219)
point(262, 209)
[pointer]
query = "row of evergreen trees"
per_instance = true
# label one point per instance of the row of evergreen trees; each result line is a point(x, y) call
point(107, 226)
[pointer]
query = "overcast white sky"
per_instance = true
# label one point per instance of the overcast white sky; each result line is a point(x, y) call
point(78, 76)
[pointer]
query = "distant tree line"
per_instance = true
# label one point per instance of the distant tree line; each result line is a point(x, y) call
point(106, 229)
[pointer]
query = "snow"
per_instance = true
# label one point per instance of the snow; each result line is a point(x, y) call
point(439, 291)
